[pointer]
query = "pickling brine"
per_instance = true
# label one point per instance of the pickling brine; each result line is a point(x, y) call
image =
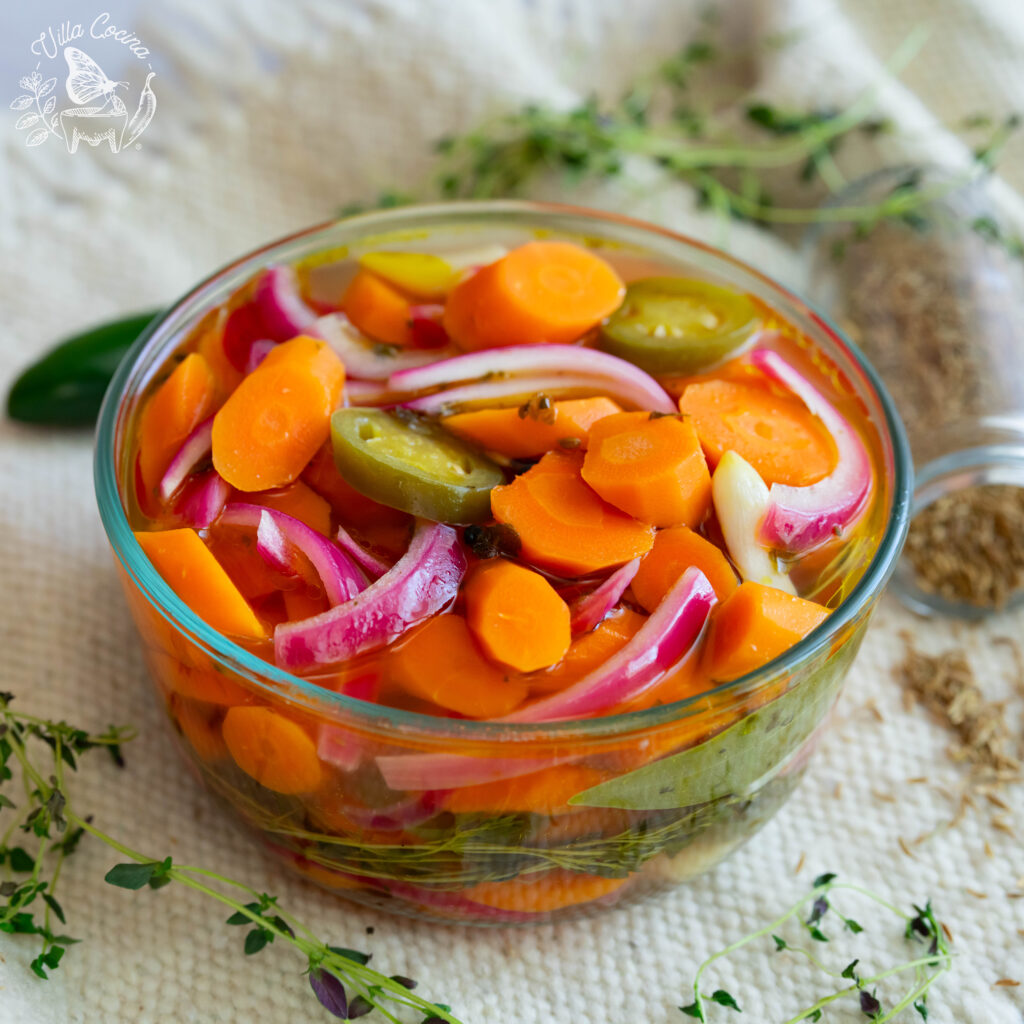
point(515, 484)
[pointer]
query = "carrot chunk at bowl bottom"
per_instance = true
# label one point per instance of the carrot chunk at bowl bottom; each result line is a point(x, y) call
point(277, 752)
point(517, 617)
point(653, 469)
point(441, 663)
point(378, 309)
point(540, 292)
point(538, 894)
point(190, 570)
point(777, 435)
point(273, 423)
point(674, 551)
point(562, 523)
point(177, 407)
point(566, 424)
point(543, 792)
point(753, 625)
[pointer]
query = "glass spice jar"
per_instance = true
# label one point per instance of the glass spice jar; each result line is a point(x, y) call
point(935, 300)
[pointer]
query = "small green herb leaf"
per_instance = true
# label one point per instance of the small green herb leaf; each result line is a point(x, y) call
point(723, 998)
point(131, 875)
point(256, 940)
point(694, 1010)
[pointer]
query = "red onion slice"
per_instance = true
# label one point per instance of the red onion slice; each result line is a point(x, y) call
point(281, 307)
point(425, 327)
point(342, 579)
point(203, 500)
point(800, 517)
point(590, 610)
point(374, 566)
point(420, 584)
point(405, 813)
point(509, 387)
point(457, 906)
point(364, 359)
point(258, 351)
point(661, 641)
point(273, 546)
point(631, 383)
point(196, 447)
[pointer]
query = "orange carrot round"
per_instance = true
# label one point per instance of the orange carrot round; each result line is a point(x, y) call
point(516, 615)
point(176, 408)
point(674, 551)
point(277, 752)
point(540, 292)
point(774, 433)
point(191, 571)
point(653, 469)
point(441, 663)
point(543, 792)
point(753, 625)
point(378, 309)
point(276, 419)
point(523, 436)
point(198, 724)
point(563, 524)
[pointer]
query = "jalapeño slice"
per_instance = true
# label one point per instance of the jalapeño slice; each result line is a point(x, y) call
point(410, 463)
point(678, 325)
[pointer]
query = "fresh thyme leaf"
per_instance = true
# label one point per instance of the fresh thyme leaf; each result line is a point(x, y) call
point(351, 954)
point(131, 875)
point(852, 925)
point(19, 860)
point(330, 991)
point(849, 972)
point(360, 1007)
point(694, 1010)
point(921, 1008)
point(780, 944)
point(256, 940)
point(817, 934)
point(723, 998)
point(823, 880)
point(869, 1005)
point(813, 1016)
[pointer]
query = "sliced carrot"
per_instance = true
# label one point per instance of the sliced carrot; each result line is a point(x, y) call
point(674, 551)
point(589, 651)
point(351, 507)
point(176, 408)
point(516, 615)
point(440, 662)
point(539, 894)
point(378, 309)
point(774, 433)
point(277, 752)
point(753, 625)
point(300, 501)
point(543, 792)
point(200, 683)
point(276, 419)
point(200, 727)
point(540, 292)
point(563, 524)
point(653, 469)
point(192, 572)
point(566, 424)
point(211, 347)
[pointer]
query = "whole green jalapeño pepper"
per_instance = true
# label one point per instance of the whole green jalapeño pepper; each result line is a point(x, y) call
point(410, 463)
point(65, 387)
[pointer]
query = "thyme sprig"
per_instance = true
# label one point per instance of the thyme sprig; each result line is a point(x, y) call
point(663, 117)
point(920, 928)
point(340, 978)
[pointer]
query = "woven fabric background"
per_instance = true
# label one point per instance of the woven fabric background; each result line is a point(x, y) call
point(270, 116)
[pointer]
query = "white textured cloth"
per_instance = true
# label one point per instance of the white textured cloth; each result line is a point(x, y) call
point(269, 118)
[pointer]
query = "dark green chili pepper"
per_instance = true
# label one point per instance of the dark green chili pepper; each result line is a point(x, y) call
point(65, 387)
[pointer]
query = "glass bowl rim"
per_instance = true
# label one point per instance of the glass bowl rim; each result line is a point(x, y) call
point(272, 680)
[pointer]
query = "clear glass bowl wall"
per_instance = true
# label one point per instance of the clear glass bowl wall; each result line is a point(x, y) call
point(682, 786)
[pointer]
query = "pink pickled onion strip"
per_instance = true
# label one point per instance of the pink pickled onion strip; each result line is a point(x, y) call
point(422, 582)
point(632, 383)
point(453, 771)
point(405, 813)
point(800, 517)
point(425, 327)
point(203, 499)
point(659, 643)
point(366, 360)
point(342, 579)
point(339, 747)
point(196, 447)
point(590, 610)
point(258, 351)
point(273, 546)
point(374, 566)
point(281, 307)
point(509, 387)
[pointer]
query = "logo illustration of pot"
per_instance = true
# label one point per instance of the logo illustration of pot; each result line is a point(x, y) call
point(87, 121)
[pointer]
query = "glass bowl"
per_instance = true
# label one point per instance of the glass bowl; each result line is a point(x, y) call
point(548, 821)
